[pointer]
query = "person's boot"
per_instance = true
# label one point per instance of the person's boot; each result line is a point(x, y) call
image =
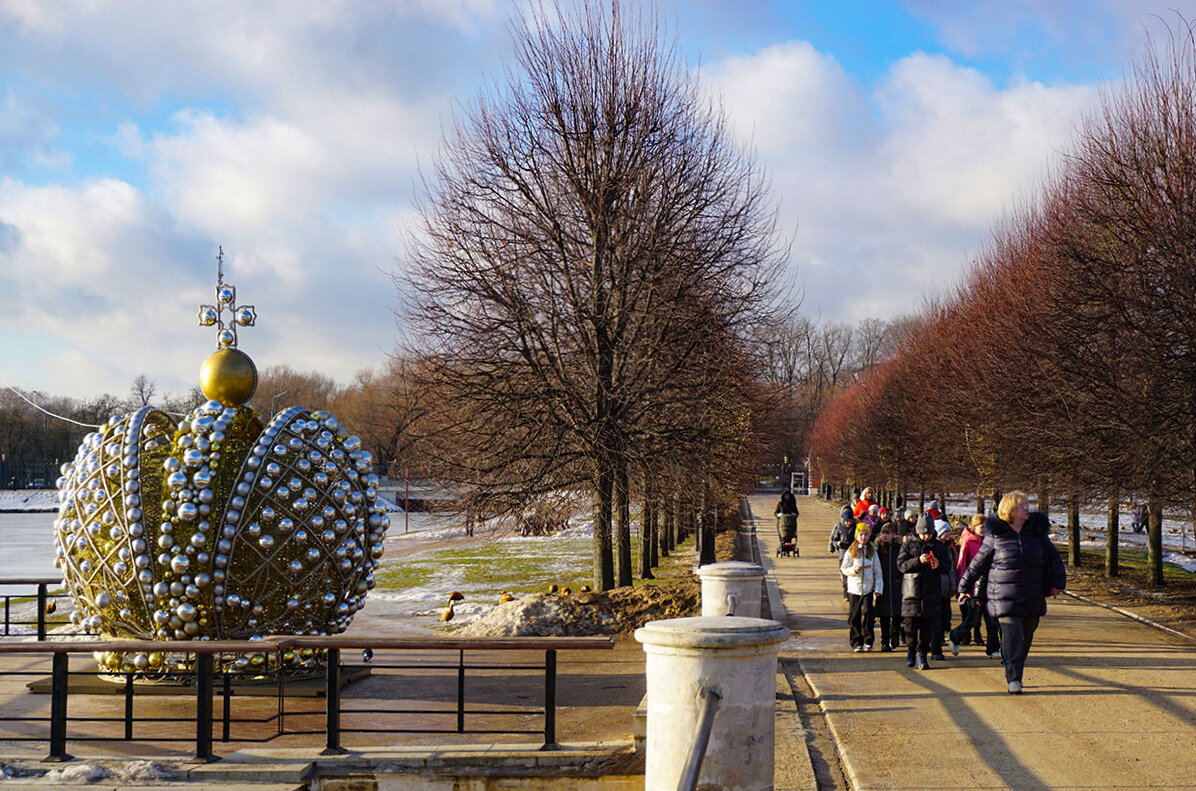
point(922, 663)
point(909, 657)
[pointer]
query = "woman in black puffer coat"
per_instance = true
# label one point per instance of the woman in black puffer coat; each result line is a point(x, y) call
point(924, 556)
point(1023, 567)
point(887, 608)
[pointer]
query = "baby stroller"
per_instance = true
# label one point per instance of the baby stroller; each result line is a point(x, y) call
point(787, 532)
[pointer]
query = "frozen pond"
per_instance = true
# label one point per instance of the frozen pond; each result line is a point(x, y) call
point(28, 545)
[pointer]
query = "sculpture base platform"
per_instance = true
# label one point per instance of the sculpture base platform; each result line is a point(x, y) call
point(90, 683)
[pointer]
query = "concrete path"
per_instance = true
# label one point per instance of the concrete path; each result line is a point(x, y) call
point(1108, 703)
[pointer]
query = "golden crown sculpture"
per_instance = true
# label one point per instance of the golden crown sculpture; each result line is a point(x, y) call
point(218, 526)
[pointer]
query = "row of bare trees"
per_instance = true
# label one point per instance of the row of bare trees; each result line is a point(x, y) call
point(1065, 362)
point(593, 256)
point(805, 362)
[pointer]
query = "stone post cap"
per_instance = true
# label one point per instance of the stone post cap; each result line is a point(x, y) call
point(712, 632)
point(731, 568)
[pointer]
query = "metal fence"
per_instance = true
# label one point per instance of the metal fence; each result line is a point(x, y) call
point(443, 673)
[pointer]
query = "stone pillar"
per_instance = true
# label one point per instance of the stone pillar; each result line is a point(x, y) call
point(731, 588)
point(737, 658)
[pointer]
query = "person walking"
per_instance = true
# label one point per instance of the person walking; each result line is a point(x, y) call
point(905, 525)
point(972, 610)
point(842, 537)
point(867, 499)
point(1023, 566)
point(922, 562)
point(1138, 518)
point(787, 504)
point(942, 531)
point(887, 607)
point(861, 569)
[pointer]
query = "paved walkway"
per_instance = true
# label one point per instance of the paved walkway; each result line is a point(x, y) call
point(1108, 703)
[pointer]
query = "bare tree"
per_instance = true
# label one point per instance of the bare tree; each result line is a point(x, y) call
point(589, 227)
point(142, 391)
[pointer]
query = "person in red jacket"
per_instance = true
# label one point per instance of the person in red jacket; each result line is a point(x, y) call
point(867, 499)
point(969, 544)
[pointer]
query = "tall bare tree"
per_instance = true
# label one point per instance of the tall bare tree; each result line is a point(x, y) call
point(590, 225)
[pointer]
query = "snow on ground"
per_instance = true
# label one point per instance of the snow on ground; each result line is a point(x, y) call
point(28, 499)
point(480, 567)
point(1094, 521)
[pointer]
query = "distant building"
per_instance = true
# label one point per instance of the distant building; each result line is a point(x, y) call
point(419, 494)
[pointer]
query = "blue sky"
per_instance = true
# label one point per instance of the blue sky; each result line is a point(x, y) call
point(136, 137)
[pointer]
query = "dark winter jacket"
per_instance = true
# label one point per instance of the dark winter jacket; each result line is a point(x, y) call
point(905, 527)
point(787, 505)
point(930, 588)
point(879, 524)
point(1022, 567)
point(889, 602)
point(842, 536)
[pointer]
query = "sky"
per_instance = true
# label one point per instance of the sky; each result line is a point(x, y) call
point(137, 138)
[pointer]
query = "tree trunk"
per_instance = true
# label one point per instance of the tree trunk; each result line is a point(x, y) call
point(647, 534)
point(1073, 532)
point(1154, 545)
point(706, 528)
point(666, 521)
point(1111, 538)
point(979, 503)
point(622, 523)
point(921, 501)
point(656, 539)
point(604, 570)
point(1044, 503)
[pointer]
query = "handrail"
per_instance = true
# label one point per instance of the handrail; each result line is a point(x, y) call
point(60, 650)
point(43, 585)
point(693, 764)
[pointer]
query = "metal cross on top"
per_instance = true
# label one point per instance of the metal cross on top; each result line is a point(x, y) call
point(226, 299)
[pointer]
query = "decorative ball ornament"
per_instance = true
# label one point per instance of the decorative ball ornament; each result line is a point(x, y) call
point(219, 526)
point(228, 376)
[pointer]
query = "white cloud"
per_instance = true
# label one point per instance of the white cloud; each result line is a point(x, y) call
point(894, 185)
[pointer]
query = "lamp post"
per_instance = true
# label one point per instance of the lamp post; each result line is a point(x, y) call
point(274, 398)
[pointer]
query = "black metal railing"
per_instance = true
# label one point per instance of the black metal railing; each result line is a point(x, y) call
point(39, 595)
point(697, 753)
point(256, 717)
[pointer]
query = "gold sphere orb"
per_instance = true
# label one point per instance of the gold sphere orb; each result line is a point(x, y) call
point(228, 376)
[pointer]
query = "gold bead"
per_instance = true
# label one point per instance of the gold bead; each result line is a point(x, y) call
point(228, 376)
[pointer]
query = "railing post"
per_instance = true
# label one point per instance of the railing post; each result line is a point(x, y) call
point(128, 706)
point(332, 698)
point(7, 616)
point(734, 656)
point(550, 700)
point(461, 691)
point(281, 695)
point(58, 697)
point(227, 693)
point(203, 708)
point(41, 611)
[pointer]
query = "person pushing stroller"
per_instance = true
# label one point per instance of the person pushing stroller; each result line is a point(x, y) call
point(786, 513)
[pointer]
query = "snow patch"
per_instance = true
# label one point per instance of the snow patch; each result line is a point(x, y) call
point(28, 499)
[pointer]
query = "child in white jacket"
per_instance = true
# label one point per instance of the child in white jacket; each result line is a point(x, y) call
point(861, 568)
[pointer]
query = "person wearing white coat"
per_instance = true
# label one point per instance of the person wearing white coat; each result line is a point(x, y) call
point(861, 569)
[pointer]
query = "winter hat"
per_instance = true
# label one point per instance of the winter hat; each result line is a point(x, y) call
point(942, 529)
point(910, 513)
point(925, 525)
point(845, 514)
point(873, 509)
point(885, 512)
point(934, 505)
